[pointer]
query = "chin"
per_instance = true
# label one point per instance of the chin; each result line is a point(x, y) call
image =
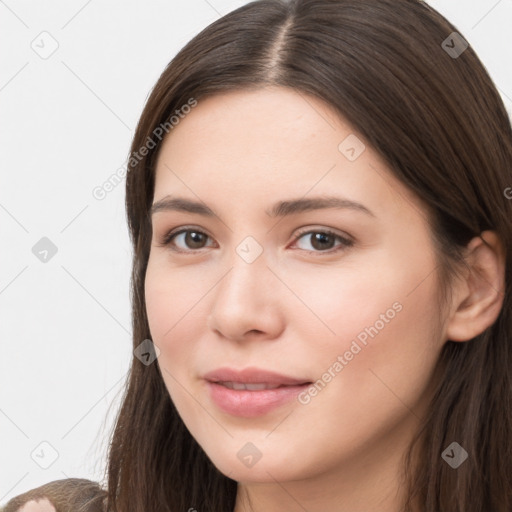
point(266, 469)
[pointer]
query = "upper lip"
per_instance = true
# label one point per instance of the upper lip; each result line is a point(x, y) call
point(252, 376)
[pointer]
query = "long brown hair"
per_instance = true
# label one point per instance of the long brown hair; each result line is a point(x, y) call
point(425, 102)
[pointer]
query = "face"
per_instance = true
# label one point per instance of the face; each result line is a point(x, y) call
point(341, 297)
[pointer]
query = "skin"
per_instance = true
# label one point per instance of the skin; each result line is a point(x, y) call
point(296, 308)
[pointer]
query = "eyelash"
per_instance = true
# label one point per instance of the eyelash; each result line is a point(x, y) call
point(345, 242)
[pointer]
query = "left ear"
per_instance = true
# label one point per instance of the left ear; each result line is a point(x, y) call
point(479, 298)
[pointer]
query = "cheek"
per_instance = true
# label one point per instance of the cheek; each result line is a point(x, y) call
point(337, 303)
point(175, 317)
point(168, 296)
point(374, 328)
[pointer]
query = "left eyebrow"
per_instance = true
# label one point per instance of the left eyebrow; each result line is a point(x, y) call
point(280, 209)
point(294, 206)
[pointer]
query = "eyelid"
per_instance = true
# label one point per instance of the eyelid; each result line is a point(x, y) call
point(346, 240)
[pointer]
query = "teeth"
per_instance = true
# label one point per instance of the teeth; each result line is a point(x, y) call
point(249, 387)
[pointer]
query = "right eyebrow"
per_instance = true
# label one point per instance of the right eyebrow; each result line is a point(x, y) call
point(181, 204)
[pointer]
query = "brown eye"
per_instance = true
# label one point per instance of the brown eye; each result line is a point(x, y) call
point(194, 239)
point(191, 239)
point(324, 240)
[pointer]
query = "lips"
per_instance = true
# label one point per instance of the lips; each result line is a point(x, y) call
point(240, 386)
point(234, 379)
point(247, 403)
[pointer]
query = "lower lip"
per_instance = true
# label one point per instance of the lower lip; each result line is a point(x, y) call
point(249, 404)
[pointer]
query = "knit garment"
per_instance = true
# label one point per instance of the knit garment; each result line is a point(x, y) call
point(66, 495)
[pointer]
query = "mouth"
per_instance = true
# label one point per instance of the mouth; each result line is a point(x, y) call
point(252, 399)
point(250, 386)
point(230, 377)
point(252, 391)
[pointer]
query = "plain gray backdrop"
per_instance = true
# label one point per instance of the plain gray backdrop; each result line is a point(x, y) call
point(74, 78)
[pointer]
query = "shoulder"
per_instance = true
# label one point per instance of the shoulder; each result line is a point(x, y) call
point(73, 494)
point(40, 505)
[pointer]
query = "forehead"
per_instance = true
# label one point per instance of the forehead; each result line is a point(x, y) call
point(255, 146)
point(281, 118)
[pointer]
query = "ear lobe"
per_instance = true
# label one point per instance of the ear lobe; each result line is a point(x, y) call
point(480, 296)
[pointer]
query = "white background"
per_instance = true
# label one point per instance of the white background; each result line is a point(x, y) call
point(66, 127)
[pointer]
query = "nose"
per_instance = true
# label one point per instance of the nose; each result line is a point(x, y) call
point(245, 302)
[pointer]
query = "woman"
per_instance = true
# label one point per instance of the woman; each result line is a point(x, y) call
point(281, 128)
